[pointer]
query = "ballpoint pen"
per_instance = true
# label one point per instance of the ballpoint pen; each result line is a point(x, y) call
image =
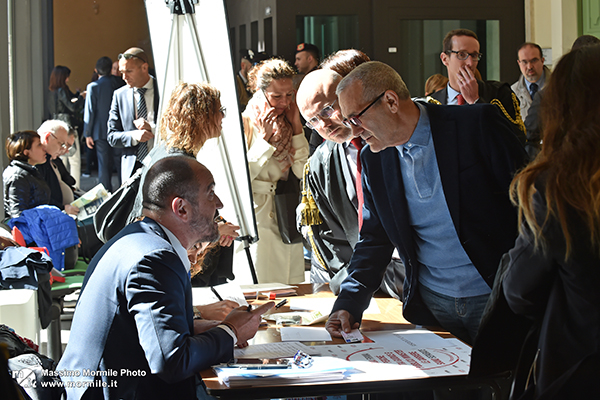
point(281, 303)
point(216, 293)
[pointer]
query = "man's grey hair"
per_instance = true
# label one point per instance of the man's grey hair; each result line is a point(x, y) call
point(375, 78)
point(53, 125)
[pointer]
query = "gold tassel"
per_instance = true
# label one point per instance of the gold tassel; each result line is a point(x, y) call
point(309, 212)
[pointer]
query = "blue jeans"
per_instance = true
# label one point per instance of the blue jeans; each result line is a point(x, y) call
point(459, 316)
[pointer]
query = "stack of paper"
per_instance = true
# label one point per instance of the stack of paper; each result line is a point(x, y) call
point(323, 369)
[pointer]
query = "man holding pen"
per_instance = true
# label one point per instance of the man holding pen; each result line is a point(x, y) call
point(133, 329)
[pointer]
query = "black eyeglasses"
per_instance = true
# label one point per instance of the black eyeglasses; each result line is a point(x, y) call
point(463, 55)
point(526, 62)
point(223, 111)
point(325, 113)
point(62, 144)
point(129, 56)
point(348, 122)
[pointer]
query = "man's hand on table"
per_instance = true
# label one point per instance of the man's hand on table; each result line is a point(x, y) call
point(340, 320)
point(217, 311)
point(203, 325)
point(245, 323)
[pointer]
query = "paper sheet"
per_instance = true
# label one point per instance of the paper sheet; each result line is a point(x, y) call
point(228, 291)
point(325, 305)
point(273, 350)
point(404, 354)
point(305, 334)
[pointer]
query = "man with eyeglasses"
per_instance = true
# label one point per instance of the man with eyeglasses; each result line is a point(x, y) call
point(461, 55)
point(532, 121)
point(436, 188)
point(54, 136)
point(533, 75)
point(133, 111)
point(332, 180)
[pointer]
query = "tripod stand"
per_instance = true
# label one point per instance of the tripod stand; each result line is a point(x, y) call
point(193, 54)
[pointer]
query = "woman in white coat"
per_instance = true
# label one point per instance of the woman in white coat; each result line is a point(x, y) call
point(277, 148)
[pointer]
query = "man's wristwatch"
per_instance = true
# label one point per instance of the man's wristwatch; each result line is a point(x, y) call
point(197, 314)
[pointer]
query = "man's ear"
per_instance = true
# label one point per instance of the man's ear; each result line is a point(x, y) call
point(180, 208)
point(391, 100)
point(444, 58)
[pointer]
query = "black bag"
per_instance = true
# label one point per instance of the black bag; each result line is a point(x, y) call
point(90, 244)
point(113, 213)
point(287, 198)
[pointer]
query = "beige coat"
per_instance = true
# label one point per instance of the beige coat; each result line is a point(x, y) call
point(274, 260)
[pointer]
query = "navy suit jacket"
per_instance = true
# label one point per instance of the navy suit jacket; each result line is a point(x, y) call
point(97, 106)
point(134, 316)
point(121, 127)
point(477, 155)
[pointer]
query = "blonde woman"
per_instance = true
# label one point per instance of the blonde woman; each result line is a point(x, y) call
point(277, 148)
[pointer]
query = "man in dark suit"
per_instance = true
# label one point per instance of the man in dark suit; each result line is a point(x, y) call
point(95, 118)
point(134, 111)
point(435, 182)
point(331, 178)
point(461, 56)
point(134, 327)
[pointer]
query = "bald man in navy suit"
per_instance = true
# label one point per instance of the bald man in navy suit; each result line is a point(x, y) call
point(134, 331)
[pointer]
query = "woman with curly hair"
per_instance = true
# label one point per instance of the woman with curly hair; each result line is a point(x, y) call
point(193, 115)
point(553, 275)
point(277, 149)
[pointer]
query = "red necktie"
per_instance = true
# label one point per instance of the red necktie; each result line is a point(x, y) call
point(357, 142)
point(460, 100)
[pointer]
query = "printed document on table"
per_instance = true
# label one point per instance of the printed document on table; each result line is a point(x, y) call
point(273, 350)
point(404, 354)
point(228, 291)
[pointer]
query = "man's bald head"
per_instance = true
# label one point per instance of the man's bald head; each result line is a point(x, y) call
point(179, 192)
point(318, 104)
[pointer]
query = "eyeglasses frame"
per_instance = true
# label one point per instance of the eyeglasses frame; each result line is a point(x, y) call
point(474, 56)
point(321, 115)
point(348, 122)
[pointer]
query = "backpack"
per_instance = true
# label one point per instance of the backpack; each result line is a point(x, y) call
point(113, 213)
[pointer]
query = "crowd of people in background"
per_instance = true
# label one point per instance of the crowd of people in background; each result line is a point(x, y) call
point(475, 192)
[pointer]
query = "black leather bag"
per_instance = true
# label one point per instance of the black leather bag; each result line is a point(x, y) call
point(113, 213)
point(287, 198)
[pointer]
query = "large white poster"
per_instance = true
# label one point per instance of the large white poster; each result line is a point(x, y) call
point(194, 47)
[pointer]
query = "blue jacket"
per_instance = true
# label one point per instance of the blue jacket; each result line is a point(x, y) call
point(477, 155)
point(97, 106)
point(135, 314)
point(48, 227)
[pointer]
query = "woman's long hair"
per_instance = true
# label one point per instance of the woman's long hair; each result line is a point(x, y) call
point(58, 78)
point(569, 162)
point(190, 118)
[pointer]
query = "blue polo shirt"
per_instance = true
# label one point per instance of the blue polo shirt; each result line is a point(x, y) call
point(444, 266)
